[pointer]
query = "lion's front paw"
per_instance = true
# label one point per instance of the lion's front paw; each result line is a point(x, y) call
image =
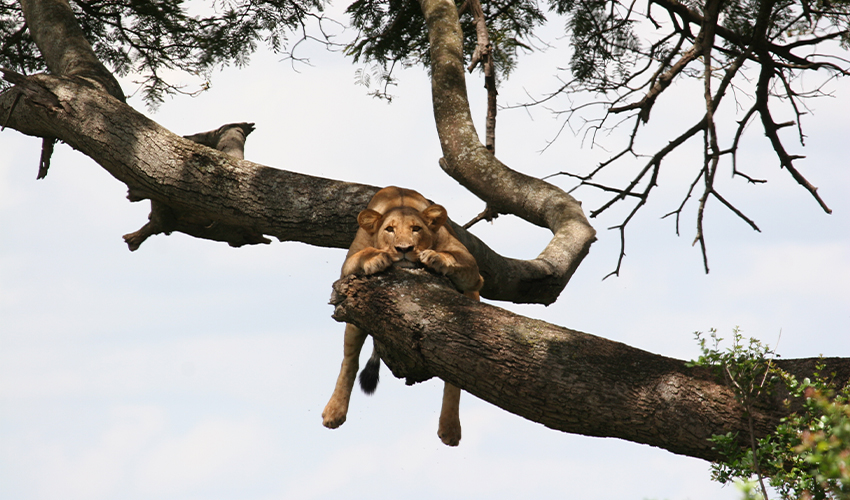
point(334, 414)
point(377, 263)
point(435, 260)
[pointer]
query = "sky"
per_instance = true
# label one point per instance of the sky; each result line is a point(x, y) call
point(189, 369)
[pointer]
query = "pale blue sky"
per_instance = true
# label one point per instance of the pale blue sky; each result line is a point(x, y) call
point(189, 369)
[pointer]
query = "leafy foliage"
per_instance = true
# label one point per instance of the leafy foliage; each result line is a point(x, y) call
point(17, 49)
point(153, 36)
point(393, 31)
point(380, 77)
point(605, 46)
point(808, 455)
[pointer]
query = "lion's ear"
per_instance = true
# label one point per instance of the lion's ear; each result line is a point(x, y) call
point(435, 216)
point(369, 220)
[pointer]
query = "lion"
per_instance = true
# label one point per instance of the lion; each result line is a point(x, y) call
point(399, 227)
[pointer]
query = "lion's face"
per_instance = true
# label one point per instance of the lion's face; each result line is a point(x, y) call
point(403, 232)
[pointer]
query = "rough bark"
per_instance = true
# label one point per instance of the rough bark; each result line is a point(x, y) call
point(467, 160)
point(564, 379)
point(228, 138)
point(63, 45)
point(208, 195)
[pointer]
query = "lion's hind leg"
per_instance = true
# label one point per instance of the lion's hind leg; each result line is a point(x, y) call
point(337, 408)
point(449, 429)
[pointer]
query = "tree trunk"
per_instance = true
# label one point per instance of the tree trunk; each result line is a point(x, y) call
point(564, 379)
point(210, 195)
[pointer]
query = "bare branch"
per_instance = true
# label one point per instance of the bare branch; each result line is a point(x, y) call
point(771, 128)
point(735, 210)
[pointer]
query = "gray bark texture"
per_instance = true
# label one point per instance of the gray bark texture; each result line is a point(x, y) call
point(564, 379)
point(208, 194)
point(506, 191)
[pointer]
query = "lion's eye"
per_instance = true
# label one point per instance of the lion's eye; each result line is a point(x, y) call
point(389, 229)
point(415, 229)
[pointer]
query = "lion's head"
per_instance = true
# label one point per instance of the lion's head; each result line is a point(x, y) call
point(403, 232)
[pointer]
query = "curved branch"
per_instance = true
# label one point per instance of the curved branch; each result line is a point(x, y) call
point(505, 190)
point(209, 194)
point(63, 45)
point(564, 379)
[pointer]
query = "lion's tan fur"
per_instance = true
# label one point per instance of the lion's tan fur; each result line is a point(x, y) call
point(401, 228)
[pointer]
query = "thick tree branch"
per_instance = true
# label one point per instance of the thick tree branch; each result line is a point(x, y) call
point(228, 138)
point(564, 379)
point(505, 190)
point(208, 194)
point(63, 45)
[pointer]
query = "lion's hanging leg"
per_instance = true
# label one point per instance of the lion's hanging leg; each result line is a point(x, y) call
point(335, 411)
point(449, 430)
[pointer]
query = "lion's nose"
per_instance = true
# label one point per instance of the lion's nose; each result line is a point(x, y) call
point(404, 250)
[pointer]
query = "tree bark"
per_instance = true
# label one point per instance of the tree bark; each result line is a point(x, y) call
point(564, 379)
point(63, 46)
point(469, 162)
point(209, 194)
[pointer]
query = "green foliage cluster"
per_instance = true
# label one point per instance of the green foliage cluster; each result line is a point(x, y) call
point(393, 31)
point(148, 37)
point(17, 50)
point(605, 47)
point(808, 455)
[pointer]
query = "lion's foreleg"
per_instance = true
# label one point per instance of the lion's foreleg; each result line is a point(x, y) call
point(460, 267)
point(367, 261)
point(449, 430)
point(337, 408)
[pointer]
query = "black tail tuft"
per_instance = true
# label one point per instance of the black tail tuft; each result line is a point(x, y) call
point(369, 376)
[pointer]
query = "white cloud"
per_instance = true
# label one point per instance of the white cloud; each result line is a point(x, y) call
point(242, 367)
point(213, 453)
point(87, 470)
point(796, 269)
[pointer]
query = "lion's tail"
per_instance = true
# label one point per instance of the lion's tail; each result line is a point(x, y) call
point(369, 376)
